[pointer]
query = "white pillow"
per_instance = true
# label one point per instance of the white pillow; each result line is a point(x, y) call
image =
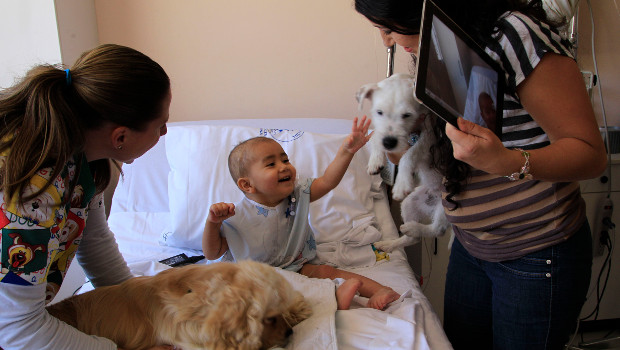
point(143, 187)
point(199, 177)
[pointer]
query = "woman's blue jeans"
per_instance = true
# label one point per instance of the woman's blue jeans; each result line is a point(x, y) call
point(528, 303)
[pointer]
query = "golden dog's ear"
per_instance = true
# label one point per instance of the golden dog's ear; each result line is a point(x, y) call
point(298, 310)
point(211, 307)
point(237, 318)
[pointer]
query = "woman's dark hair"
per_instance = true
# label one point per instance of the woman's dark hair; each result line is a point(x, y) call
point(44, 116)
point(402, 17)
point(476, 17)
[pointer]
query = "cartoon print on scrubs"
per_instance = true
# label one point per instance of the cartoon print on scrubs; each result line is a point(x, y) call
point(39, 238)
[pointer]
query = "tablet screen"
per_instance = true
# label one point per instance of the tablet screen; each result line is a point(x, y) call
point(456, 77)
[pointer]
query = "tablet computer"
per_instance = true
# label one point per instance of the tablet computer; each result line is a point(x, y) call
point(455, 76)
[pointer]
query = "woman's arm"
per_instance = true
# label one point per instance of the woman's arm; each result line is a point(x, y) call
point(556, 97)
point(98, 252)
point(25, 324)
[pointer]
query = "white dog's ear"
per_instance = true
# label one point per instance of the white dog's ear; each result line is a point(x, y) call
point(365, 92)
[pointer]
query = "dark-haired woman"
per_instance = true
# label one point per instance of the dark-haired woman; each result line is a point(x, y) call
point(61, 130)
point(520, 266)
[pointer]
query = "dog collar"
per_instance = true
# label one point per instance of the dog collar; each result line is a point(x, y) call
point(415, 136)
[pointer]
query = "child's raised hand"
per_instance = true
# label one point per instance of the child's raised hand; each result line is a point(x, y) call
point(220, 212)
point(359, 135)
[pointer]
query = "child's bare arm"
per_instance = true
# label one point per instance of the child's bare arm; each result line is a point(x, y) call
point(336, 169)
point(213, 244)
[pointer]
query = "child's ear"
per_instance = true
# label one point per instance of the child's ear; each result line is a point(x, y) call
point(244, 184)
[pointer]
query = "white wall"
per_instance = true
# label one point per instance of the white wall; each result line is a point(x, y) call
point(29, 37)
point(43, 31)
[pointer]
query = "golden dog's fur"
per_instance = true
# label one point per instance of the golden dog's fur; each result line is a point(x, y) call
point(245, 305)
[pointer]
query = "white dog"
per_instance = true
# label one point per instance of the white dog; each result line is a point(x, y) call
point(401, 123)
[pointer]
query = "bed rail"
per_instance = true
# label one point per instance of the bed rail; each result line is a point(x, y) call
point(390, 60)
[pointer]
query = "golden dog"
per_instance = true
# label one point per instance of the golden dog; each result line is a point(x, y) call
point(245, 305)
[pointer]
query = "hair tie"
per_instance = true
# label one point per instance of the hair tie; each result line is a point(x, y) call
point(68, 77)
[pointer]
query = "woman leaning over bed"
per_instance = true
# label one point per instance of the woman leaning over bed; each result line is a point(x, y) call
point(60, 130)
point(520, 266)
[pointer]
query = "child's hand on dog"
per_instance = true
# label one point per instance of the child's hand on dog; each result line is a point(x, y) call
point(359, 135)
point(220, 212)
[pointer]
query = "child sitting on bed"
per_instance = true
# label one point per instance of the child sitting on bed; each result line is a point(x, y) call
point(271, 223)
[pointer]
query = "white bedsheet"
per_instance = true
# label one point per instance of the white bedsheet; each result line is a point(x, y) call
point(409, 324)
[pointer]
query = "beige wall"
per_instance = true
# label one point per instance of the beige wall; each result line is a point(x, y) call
point(607, 45)
point(77, 28)
point(292, 58)
point(252, 59)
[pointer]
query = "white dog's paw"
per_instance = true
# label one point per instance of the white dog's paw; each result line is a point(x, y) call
point(411, 229)
point(416, 229)
point(375, 164)
point(401, 189)
point(392, 244)
point(386, 246)
point(375, 169)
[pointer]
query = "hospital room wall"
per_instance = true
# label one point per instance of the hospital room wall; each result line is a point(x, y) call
point(253, 59)
point(247, 59)
point(280, 58)
point(606, 15)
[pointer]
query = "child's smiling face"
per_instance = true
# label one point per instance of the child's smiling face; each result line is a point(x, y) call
point(271, 175)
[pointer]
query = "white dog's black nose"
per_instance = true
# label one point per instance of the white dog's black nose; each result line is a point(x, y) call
point(389, 142)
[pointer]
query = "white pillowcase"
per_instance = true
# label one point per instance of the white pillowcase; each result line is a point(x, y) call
point(199, 177)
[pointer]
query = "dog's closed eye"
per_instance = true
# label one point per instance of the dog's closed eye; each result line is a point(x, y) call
point(379, 112)
point(407, 115)
point(270, 320)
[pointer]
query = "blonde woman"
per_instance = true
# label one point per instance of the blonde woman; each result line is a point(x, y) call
point(60, 132)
